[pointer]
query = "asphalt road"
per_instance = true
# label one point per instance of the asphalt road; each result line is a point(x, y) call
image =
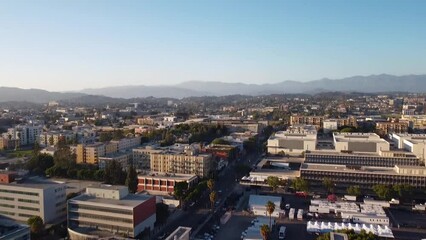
point(194, 216)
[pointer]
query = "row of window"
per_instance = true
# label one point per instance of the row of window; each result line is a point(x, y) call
point(7, 205)
point(7, 198)
point(28, 201)
point(28, 208)
point(18, 192)
point(100, 209)
point(93, 216)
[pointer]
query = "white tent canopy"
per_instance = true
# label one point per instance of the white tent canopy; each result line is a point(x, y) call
point(324, 227)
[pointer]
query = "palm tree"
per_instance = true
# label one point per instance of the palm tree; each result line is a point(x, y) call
point(264, 231)
point(270, 208)
point(210, 184)
point(213, 197)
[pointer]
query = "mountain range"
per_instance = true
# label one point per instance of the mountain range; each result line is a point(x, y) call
point(367, 84)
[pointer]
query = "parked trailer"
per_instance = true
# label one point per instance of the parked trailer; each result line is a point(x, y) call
point(291, 213)
point(350, 198)
point(300, 214)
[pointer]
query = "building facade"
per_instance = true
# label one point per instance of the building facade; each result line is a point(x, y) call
point(106, 211)
point(184, 163)
point(365, 177)
point(164, 182)
point(33, 197)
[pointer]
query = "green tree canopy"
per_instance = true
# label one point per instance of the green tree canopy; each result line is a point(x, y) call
point(132, 179)
point(36, 224)
point(273, 182)
point(300, 184)
point(354, 190)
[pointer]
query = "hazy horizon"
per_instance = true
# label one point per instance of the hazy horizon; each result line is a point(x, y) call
point(74, 45)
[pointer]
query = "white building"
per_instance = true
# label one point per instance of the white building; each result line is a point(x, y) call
point(257, 205)
point(27, 134)
point(294, 141)
point(107, 211)
point(414, 143)
point(360, 142)
point(330, 125)
point(33, 197)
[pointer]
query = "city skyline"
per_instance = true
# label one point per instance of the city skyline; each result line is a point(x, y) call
point(101, 44)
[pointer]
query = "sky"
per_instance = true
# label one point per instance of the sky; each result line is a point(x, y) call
point(71, 45)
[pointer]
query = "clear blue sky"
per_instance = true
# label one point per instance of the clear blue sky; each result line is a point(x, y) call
point(69, 45)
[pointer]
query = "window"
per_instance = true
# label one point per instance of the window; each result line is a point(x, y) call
point(28, 208)
point(28, 201)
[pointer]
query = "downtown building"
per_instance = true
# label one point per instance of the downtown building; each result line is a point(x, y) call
point(106, 211)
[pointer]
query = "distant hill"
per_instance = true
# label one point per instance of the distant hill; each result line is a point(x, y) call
point(363, 84)
point(10, 94)
point(145, 91)
point(367, 84)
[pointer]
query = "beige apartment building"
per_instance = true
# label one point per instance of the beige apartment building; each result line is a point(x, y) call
point(182, 162)
point(89, 154)
point(32, 197)
point(392, 127)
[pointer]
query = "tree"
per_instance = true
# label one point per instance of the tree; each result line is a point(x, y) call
point(270, 208)
point(39, 163)
point(300, 184)
point(210, 184)
point(383, 191)
point(105, 137)
point(220, 141)
point(328, 184)
point(213, 197)
point(36, 224)
point(180, 190)
point(403, 190)
point(264, 231)
point(132, 179)
point(354, 190)
point(162, 213)
point(114, 173)
point(273, 182)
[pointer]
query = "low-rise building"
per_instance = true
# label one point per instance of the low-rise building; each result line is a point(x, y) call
point(107, 211)
point(383, 159)
point(392, 127)
point(295, 141)
point(257, 205)
point(11, 230)
point(164, 182)
point(124, 158)
point(359, 142)
point(414, 176)
point(414, 143)
point(181, 233)
point(22, 198)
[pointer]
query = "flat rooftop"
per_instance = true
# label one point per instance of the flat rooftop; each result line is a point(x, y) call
point(129, 201)
point(170, 176)
point(368, 170)
point(33, 182)
point(179, 233)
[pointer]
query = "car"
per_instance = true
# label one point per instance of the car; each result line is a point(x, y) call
point(219, 191)
point(287, 206)
point(162, 236)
